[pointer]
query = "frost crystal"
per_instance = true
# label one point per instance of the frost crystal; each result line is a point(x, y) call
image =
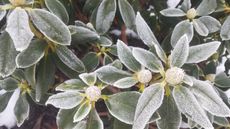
point(191, 13)
point(93, 93)
point(144, 76)
point(174, 76)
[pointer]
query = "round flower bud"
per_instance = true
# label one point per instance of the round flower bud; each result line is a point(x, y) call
point(144, 76)
point(174, 76)
point(17, 2)
point(191, 13)
point(93, 93)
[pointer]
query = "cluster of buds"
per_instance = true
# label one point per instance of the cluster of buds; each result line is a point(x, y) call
point(144, 76)
point(191, 13)
point(174, 76)
point(93, 93)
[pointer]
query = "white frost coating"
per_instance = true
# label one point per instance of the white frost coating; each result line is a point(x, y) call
point(7, 117)
point(191, 13)
point(19, 29)
point(144, 76)
point(173, 3)
point(209, 99)
point(93, 93)
point(174, 76)
point(189, 106)
point(150, 100)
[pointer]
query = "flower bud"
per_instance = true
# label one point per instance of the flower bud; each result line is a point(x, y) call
point(93, 93)
point(174, 76)
point(191, 13)
point(17, 2)
point(144, 76)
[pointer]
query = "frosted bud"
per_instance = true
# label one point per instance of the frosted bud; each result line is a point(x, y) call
point(144, 76)
point(174, 76)
point(191, 13)
point(17, 2)
point(93, 93)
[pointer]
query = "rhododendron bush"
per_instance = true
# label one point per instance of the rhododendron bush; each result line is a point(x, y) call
point(117, 64)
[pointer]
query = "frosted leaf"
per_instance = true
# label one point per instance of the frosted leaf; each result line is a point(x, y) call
point(202, 52)
point(209, 99)
point(51, 26)
point(65, 100)
point(150, 100)
point(188, 105)
point(19, 29)
point(88, 78)
point(180, 53)
point(126, 57)
point(7, 55)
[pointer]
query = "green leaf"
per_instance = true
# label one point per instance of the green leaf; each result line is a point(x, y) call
point(120, 125)
point(170, 114)
point(211, 23)
point(200, 27)
point(2, 14)
point(57, 8)
point(7, 55)
point(90, 5)
point(221, 121)
point(51, 26)
point(19, 29)
point(91, 61)
point(82, 112)
point(188, 80)
point(126, 57)
point(224, 32)
point(150, 61)
point(127, 13)
point(21, 110)
point(81, 125)
point(9, 84)
point(105, 15)
point(173, 12)
point(82, 34)
point(150, 100)
point(122, 105)
point(126, 82)
point(222, 80)
point(70, 59)
point(4, 100)
point(110, 74)
point(30, 75)
point(94, 121)
point(202, 52)
point(186, 5)
point(105, 41)
point(45, 77)
point(64, 68)
point(72, 84)
point(65, 100)
point(182, 28)
point(206, 7)
point(209, 99)
point(189, 106)
point(89, 78)
point(32, 55)
point(147, 36)
point(65, 118)
point(180, 53)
